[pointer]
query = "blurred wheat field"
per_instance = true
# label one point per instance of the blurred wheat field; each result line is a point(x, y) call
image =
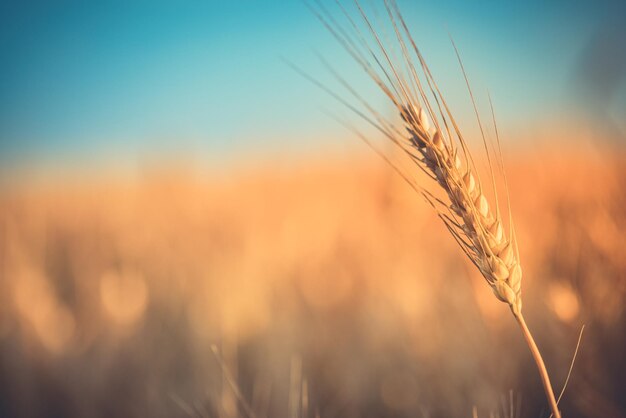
point(322, 285)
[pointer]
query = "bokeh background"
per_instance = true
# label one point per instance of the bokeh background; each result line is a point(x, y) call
point(185, 232)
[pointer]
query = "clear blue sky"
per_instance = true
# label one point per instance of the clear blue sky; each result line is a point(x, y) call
point(81, 80)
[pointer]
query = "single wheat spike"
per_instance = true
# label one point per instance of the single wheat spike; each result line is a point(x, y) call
point(477, 227)
point(431, 139)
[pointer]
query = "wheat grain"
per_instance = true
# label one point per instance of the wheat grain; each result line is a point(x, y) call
point(477, 227)
point(432, 140)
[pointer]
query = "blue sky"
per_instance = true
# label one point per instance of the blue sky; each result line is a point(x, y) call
point(84, 80)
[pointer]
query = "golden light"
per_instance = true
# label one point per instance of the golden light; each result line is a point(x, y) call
point(124, 296)
point(563, 301)
point(37, 303)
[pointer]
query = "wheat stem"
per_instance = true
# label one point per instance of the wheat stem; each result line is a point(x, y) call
point(543, 372)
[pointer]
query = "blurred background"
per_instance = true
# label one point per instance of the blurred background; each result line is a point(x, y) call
point(185, 232)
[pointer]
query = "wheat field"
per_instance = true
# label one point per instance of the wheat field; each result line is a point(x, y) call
point(324, 286)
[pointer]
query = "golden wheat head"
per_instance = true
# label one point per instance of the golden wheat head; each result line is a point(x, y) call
point(470, 218)
point(432, 140)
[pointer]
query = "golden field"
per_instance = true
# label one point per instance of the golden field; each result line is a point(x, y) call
point(328, 287)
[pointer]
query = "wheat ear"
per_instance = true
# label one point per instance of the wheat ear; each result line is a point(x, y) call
point(475, 226)
point(432, 140)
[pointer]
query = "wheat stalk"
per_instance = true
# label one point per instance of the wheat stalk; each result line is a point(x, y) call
point(433, 141)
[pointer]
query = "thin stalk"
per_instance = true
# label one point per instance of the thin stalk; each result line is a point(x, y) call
point(543, 372)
